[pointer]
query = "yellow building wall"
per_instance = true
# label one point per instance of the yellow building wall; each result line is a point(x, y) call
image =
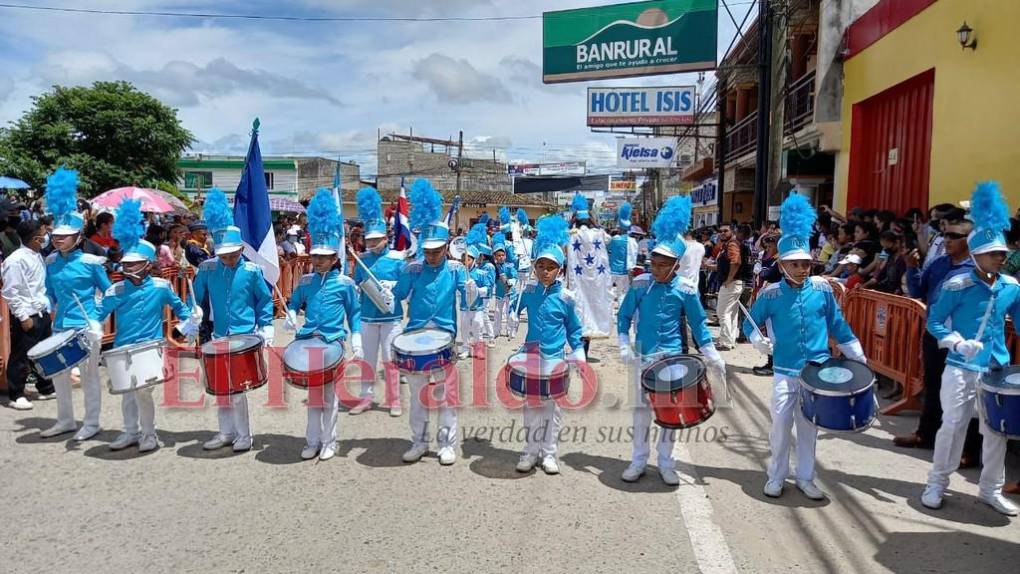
point(975, 112)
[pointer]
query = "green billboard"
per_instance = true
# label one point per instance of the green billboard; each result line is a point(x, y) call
point(625, 40)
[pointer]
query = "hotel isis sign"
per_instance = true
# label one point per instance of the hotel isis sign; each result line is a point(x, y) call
point(625, 40)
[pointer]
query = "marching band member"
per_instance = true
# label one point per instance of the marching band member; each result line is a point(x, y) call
point(241, 304)
point(659, 299)
point(378, 327)
point(484, 262)
point(72, 280)
point(802, 314)
point(431, 285)
point(588, 274)
point(968, 318)
point(138, 301)
point(506, 279)
point(552, 324)
point(472, 322)
point(623, 250)
point(329, 298)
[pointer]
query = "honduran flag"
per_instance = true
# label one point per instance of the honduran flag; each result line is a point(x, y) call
point(252, 214)
point(400, 222)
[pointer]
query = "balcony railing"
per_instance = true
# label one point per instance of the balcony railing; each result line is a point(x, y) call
point(741, 138)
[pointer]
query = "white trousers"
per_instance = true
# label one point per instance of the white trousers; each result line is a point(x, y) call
point(419, 387)
point(503, 309)
point(323, 408)
point(642, 427)
point(959, 401)
point(472, 324)
point(542, 427)
point(377, 339)
point(489, 333)
point(233, 417)
point(785, 415)
point(139, 406)
point(726, 310)
point(620, 285)
point(91, 388)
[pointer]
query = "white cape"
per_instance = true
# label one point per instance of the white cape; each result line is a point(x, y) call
point(589, 277)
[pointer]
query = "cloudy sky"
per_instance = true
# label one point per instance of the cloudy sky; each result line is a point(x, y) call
point(324, 88)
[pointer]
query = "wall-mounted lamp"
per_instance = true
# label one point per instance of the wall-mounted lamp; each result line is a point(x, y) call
point(967, 37)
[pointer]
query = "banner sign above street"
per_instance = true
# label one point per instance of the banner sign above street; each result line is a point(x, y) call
point(627, 40)
point(663, 106)
point(645, 152)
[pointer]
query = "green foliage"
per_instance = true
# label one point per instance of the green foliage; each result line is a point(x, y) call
point(113, 134)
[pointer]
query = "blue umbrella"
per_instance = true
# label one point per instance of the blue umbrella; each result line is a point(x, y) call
point(12, 183)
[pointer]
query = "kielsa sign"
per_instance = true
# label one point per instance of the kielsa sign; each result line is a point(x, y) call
point(627, 40)
point(668, 106)
point(645, 152)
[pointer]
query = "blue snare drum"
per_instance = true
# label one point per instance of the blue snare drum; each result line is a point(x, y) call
point(531, 375)
point(422, 350)
point(999, 400)
point(60, 352)
point(838, 395)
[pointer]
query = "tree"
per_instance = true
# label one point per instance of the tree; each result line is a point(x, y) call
point(112, 133)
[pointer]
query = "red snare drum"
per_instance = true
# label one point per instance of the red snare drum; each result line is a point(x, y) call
point(233, 364)
point(678, 390)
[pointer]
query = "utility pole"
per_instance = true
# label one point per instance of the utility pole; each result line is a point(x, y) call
point(460, 156)
point(779, 24)
point(720, 148)
point(761, 167)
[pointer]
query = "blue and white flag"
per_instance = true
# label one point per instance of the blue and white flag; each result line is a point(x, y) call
point(338, 196)
point(252, 214)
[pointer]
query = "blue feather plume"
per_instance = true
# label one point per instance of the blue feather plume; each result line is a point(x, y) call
point(522, 216)
point(477, 235)
point(988, 209)
point(322, 213)
point(369, 204)
point(625, 210)
point(426, 204)
point(673, 219)
point(216, 210)
point(484, 219)
point(128, 225)
point(551, 230)
point(504, 215)
point(62, 192)
point(797, 217)
point(579, 203)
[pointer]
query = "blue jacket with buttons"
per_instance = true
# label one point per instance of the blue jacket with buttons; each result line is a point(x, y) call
point(658, 307)
point(799, 323)
point(483, 280)
point(507, 270)
point(139, 309)
point(432, 294)
point(622, 251)
point(386, 266)
point(490, 270)
point(241, 300)
point(328, 300)
point(76, 274)
point(961, 306)
point(552, 318)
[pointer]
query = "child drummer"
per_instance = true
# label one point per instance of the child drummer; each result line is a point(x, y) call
point(138, 302)
point(472, 321)
point(968, 318)
point(802, 313)
point(329, 299)
point(660, 299)
point(552, 324)
point(241, 304)
point(431, 285)
point(506, 279)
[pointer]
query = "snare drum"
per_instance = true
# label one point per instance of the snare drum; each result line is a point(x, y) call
point(309, 363)
point(531, 375)
point(838, 395)
point(60, 352)
point(999, 400)
point(233, 364)
point(678, 391)
point(422, 350)
point(134, 367)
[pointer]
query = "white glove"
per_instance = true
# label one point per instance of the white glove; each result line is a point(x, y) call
point(357, 351)
point(291, 323)
point(94, 331)
point(511, 281)
point(188, 328)
point(577, 356)
point(853, 351)
point(761, 344)
point(950, 341)
point(267, 333)
point(969, 348)
point(626, 351)
point(714, 360)
point(196, 314)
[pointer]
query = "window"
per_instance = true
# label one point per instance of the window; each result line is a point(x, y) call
point(197, 179)
point(269, 180)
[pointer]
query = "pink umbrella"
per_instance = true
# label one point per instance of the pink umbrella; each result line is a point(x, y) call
point(152, 200)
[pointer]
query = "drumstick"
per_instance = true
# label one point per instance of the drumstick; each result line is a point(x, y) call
point(984, 320)
point(753, 324)
point(84, 313)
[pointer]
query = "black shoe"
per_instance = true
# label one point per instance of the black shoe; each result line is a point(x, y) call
point(763, 371)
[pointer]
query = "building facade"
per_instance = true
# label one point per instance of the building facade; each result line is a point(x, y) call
point(294, 178)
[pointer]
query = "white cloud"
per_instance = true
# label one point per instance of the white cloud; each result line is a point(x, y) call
point(458, 82)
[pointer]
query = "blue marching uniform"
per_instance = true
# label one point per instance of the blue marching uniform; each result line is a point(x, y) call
point(471, 317)
point(505, 294)
point(379, 328)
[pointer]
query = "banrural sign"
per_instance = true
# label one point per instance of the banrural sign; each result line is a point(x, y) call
point(663, 106)
point(626, 40)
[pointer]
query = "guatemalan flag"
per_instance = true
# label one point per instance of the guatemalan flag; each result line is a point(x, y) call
point(252, 215)
point(402, 238)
